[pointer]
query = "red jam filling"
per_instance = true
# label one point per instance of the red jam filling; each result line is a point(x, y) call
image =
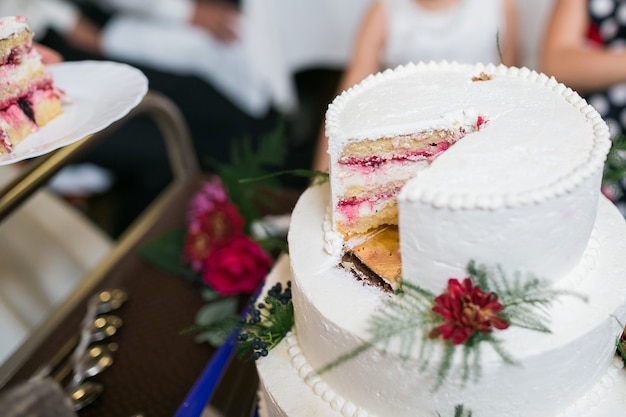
point(375, 161)
point(15, 56)
point(349, 207)
point(44, 86)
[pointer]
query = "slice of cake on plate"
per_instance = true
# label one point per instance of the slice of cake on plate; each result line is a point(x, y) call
point(28, 97)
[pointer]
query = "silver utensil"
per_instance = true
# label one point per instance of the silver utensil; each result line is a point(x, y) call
point(103, 327)
point(85, 394)
point(104, 302)
point(75, 350)
point(110, 300)
point(95, 360)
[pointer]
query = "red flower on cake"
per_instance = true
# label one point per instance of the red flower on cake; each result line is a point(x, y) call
point(466, 310)
point(238, 267)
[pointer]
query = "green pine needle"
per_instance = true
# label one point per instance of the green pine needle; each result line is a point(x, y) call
point(164, 252)
point(460, 412)
point(316, 175)
point(247, 162)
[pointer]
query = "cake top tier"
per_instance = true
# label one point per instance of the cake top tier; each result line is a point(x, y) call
point(540, 137)
point(11, 25)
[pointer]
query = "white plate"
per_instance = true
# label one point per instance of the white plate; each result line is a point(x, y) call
point(101, 92)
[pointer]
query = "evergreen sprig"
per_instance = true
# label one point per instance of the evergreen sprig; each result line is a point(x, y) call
point(248, 162)
point(407, 320)
point(251, 177)
point(526, 300)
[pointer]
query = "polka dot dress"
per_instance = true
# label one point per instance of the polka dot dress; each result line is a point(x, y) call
point(608, 28)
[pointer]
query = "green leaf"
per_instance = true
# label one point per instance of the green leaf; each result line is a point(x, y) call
point(248, 162)
point(214, 337)
point(215, 321)
point(216, 311)
point(164, 252)
point(209, 294)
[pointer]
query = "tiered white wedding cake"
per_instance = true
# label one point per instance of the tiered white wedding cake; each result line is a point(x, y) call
point(489, 172)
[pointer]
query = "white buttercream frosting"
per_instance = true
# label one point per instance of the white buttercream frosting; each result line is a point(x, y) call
point(573, 364)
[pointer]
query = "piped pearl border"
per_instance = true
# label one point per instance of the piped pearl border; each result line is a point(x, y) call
point(320, 388)
point(347, 408)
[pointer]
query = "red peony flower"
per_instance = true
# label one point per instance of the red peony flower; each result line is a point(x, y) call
point(236, 267)
point(466, 310)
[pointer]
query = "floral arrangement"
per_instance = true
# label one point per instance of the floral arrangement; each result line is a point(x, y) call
point(216, 247)
point(217, 250)
point(464, 317)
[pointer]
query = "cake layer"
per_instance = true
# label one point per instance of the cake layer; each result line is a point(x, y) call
point(534, 168)
point(411, 147)
point(369, 174)
point(26, 116)
point(18, 80)
point(359, 211)
point(15, 39)
point(559, 372)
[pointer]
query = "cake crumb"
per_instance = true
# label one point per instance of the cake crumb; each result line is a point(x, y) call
point(482, 77)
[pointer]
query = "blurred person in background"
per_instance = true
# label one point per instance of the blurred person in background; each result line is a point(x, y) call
point(396, 32)
point(585, 49)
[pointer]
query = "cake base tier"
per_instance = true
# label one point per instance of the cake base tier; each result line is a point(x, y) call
point(284, 392)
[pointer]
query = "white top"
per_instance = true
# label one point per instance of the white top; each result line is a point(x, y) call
point(416, 34)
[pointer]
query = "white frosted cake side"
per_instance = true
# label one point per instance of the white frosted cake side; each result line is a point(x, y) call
point(570, 372)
